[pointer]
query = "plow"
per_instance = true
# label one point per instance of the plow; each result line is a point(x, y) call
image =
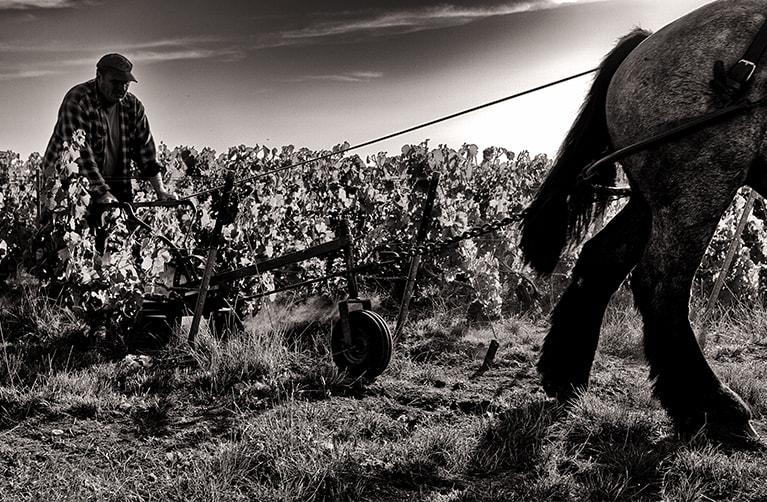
point(361, 340)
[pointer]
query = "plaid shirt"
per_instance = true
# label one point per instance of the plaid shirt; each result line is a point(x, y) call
point(82, 109)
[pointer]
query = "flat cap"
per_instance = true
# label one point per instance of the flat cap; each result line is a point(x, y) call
point(118, 65)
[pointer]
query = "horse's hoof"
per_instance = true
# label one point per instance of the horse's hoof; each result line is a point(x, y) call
point(742, 435)
point(733, 433)
point(750, 433)
point(564, 392)
point(725, 417)
point(560, 380)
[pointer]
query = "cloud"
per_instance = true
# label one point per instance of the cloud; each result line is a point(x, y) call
point(146, 56)
point(24, 59)
point(378, 22)
point(346, 77)
point(43, 4)
point(184, 49)
point(51, 58)
point(21, 73)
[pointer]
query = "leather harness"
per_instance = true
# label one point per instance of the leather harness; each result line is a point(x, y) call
point(733, 84)
point(730, 86)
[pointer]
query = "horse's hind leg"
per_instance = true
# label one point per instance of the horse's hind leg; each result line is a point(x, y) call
point(683, 381)
point(568, 350)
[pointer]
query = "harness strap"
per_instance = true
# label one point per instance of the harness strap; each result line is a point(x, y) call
point(731, 85)
point(684, 128)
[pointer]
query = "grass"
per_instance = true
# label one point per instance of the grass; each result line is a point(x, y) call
point(263, 414)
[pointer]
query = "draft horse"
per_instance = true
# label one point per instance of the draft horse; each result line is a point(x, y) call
point(648, 84)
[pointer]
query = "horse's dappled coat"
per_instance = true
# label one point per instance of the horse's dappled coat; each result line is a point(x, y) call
point(680, 188)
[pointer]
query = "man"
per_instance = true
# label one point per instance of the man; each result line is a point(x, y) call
point(116, 132)
point(116, 135)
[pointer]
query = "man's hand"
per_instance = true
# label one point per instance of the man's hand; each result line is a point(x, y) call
point(106, 198)
point(109, 214)
point(159, 188)
point(165, 195)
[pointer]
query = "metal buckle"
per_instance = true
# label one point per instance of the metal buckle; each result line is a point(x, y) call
point(751, 67)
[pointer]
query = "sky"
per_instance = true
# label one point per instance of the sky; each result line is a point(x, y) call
point(317, 73)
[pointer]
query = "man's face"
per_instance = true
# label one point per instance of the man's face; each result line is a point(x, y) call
point(112, 87)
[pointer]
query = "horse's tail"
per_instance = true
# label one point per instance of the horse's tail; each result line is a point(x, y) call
point(565, 206)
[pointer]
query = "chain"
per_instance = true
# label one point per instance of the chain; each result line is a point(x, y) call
point(436, 246)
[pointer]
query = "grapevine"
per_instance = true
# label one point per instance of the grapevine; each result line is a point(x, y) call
point(47, 236)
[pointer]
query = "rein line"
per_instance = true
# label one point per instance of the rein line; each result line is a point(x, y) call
point(399, 133)
point(688, 126)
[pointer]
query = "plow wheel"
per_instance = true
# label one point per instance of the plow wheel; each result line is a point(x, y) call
point(369, 351)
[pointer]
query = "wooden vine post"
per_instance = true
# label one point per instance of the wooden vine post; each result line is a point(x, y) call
point(211, 259)
point(492, 350)
point(733, 248)
point(415, 261)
